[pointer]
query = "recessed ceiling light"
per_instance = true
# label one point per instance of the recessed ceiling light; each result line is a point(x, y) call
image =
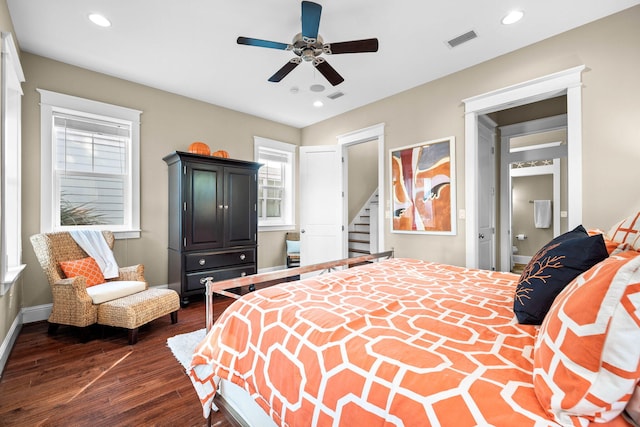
point(316, 88)
point(99, 20)
point(513, 17)
point(318, 104)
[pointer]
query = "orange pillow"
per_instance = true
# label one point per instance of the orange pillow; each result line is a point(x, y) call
point(587, 349)
point(87, 267)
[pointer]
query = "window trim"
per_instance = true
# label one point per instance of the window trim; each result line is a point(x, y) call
point(12, 78)
point(290, 222)
point(58, 102)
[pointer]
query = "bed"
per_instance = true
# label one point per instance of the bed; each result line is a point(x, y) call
point(399, 342)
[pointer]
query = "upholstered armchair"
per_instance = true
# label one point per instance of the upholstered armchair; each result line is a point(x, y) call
point(72, 305)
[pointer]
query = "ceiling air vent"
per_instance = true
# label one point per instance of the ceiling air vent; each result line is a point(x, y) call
point(335, 95)
point(457, 41)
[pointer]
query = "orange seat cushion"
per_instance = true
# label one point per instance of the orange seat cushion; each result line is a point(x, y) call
point(87, 267)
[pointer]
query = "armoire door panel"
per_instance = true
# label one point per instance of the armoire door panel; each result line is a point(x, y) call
point(203, 211)
point(240, 206)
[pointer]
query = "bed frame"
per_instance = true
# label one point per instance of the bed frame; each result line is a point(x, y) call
point(223, 287)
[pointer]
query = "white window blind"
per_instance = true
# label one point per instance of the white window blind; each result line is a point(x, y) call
point(275, 183)
point(91, 170)
point(272, 186)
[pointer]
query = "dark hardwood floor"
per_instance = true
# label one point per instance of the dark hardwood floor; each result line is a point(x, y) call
point(56, 380)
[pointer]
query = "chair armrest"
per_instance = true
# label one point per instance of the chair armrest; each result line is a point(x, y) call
point(134, 272)
point(72, 305)
point(71, 289)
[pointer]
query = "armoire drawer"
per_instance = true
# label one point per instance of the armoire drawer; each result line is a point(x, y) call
point(207, 260)
point(194, 279)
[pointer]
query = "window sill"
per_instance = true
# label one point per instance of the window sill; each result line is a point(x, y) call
point(127, 234)
point(12, 276)
point(276, 227)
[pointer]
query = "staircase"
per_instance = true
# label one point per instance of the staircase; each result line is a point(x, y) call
point(363, 229)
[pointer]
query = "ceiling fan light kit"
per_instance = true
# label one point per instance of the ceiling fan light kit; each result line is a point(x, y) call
point(308, 46)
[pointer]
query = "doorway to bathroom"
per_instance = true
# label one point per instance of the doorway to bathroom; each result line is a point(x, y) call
point(533, 168)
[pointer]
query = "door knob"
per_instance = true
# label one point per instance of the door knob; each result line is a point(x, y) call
point(480, 236)
point(302, 231)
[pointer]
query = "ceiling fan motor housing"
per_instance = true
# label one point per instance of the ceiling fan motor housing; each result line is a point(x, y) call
point(307, 49)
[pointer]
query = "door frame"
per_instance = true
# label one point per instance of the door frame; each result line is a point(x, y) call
point(371, 133)
point(567, 82)
point(554, 152)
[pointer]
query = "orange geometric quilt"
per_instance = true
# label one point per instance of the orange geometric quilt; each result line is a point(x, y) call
point(396, 343)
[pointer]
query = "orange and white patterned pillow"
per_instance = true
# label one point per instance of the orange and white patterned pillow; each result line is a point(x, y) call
point(627, 231)
point(587, 352)
point(612, 246)
point(87, 267)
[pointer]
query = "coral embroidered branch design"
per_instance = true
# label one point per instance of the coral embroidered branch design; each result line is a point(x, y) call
point(535, 270)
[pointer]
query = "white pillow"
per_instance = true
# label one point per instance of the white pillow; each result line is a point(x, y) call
point(114, 290)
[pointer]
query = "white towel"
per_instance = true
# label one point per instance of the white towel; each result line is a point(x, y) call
point(542, 213)
point(94, 244)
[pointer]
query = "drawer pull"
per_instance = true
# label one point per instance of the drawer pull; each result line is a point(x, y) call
point(242, 257)
point(201, 261)
point(205, 279)
point(244, 273)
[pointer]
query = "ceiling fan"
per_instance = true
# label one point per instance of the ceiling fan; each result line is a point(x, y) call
point(308, 46)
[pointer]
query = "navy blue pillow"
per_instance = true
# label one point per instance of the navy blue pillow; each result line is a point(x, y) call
point(551, 269)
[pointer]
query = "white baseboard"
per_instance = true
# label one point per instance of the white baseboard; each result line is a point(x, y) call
point(521, 259)
point(36, 313)
point(269, 269)
point(9, 340)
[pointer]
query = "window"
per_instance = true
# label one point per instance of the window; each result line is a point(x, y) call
point(10, 228)
point(90, 165)
point(275, 184)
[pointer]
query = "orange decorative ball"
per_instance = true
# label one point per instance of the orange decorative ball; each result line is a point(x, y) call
point(199, 148)
point(220, 153)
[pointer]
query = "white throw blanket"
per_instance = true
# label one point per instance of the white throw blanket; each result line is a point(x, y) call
point(94, 244)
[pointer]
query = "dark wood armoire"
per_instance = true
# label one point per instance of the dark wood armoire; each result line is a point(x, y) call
point(213, 223)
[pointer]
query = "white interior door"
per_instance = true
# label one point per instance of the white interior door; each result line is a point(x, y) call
point(321, 204)
point(486, 195)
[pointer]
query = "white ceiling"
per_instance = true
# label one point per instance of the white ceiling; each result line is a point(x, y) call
point(188, 47)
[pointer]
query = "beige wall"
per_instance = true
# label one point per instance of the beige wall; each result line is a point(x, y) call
point(169, 122)
point(611, 129)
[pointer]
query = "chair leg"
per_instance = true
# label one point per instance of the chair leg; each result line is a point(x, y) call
point(174, 317)
point(53, 328)
point(133, 336)
point(85, 334)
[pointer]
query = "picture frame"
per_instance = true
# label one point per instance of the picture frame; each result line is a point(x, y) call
point(413, 168)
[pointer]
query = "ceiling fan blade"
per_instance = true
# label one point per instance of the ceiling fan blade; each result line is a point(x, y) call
point(354, 46)
point(328, 71)
point(263, 43)
point(282, 72)
point(310, 20)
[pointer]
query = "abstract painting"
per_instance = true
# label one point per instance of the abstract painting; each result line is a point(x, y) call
point(422, 187)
